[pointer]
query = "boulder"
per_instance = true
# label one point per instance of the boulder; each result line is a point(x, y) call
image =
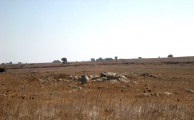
point(109, 75)
point(84, 79)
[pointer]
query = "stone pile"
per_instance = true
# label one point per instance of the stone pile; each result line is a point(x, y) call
point(104, 76)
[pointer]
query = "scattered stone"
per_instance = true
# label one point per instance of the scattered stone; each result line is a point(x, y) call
point(91, 76)
point(42, 80)
point(135, 82)
point(3, 95)
point(164, 94)
point(123, 80)
point(104, 78)
point(189, 91)
point(113, 81)
point(145, 95)
point(70, 77)
point(76, 77)
point(95, 77)
point(156, 94)
point(99, 80)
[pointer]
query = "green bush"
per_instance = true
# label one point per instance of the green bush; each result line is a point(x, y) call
point(2, 70)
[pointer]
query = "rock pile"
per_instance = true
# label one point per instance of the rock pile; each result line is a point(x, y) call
point(104, 76)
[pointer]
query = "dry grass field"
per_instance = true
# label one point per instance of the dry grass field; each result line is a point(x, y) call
point(155, 89)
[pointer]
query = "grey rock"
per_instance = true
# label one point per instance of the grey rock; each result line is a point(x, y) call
point(76, 77)
point(70, 77)
point(123, 80)
point(91, 76)
point(84, 79)
point(109, 75)
point(135, 82)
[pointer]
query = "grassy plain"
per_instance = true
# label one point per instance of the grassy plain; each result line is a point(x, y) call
point(44, 91)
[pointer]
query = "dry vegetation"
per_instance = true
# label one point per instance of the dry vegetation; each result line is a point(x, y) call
point(44, 91)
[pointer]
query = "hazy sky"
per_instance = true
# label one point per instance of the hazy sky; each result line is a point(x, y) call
point(47, 30)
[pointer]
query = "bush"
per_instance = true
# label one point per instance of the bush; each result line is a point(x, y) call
point(170, 55)
point(2, 70)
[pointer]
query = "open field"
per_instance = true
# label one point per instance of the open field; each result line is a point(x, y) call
point(155, 89)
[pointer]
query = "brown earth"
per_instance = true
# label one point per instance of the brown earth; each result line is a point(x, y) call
point(45, 91)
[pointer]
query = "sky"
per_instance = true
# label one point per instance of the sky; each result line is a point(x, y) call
point(35, 31)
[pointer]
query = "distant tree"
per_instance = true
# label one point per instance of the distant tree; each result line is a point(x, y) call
point(92, 59)
point(56, 61)
point(116, 57)
point(19, 62)
point(139, 57)
point(99, 59)
point(64, 60)
point(10, 62)
point(170, 55)
point(108, 59)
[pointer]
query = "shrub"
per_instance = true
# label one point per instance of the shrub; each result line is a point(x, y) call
point(170, 55)
point(2, 70)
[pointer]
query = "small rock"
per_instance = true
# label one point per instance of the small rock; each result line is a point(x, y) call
point(96, 77)
point(42, 81)
point(76, 77)
point(135, 82)
point(123, 77)
point(124, 80)
point(165, 94)
point(104, 78)
point(91, 76)
point(99, 80)
point(113, 81)
point(189, 91)
point(70, 77)
point(3, 95)
point(145, 95)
